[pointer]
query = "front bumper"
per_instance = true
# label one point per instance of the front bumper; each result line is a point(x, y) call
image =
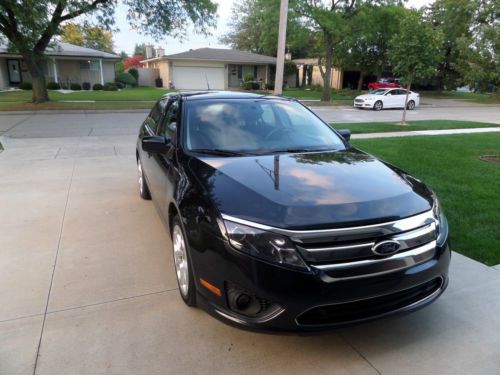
point(363, 105)
point(309, 300)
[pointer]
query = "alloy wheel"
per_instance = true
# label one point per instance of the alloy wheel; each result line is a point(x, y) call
point(180, 260)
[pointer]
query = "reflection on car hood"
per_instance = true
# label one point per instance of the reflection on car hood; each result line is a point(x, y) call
point(310, 190)
point(369, 96)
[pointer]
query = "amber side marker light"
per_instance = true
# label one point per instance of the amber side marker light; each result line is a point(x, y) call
point(210, 287)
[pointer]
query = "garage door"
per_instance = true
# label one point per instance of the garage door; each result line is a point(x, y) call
point(195, 78)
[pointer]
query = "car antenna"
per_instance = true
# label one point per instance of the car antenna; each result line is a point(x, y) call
point(206, 79)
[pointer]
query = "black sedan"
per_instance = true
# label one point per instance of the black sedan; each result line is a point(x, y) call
point(277, 222)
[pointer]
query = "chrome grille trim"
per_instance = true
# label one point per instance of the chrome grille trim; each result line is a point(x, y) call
point(374, 267)
point(387, 228)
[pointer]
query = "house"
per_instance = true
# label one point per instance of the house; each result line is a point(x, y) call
point(203, 68)
point(309, 74)
point(65, 64)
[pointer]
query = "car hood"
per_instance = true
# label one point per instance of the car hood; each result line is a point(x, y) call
point(368, 97)
point(310, 190)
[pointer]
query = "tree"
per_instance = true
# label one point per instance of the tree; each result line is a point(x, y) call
point(140, 49)
point(87, 36)
point(366, 42)
point(480, 62)
point(329, 20)
point(453, 18)
point(29, 26)
point(253, 27)
point(415, 51)
point(133, 62)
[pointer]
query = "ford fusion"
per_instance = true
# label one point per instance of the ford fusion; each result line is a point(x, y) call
point(278, 223)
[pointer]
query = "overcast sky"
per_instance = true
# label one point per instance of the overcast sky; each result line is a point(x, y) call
point(126, 38)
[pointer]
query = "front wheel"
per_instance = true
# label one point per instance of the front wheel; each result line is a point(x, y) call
point(183, 269)
point(410, 105)
point(378, 105)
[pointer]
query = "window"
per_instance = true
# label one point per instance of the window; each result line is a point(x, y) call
point(256, 126)
point(169, 124)
point(155, 115)
point(89, 65)
point(240, 72)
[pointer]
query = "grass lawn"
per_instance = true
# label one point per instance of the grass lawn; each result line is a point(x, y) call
point(482, 98)
point(130, 98)
point(468, 188)
point(384, 127)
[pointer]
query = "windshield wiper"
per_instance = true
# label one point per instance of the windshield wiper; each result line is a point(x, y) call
point(293, 150)
point(217, 151)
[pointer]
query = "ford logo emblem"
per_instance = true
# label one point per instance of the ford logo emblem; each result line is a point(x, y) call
point(385, 248)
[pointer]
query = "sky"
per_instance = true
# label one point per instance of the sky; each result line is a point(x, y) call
point(126, 38)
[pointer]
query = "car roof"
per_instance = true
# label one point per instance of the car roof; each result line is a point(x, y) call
point(201, 95)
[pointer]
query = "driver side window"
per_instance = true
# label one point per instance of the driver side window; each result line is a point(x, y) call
point(168, 125)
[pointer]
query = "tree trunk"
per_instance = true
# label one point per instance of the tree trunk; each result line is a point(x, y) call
point(360, 81)
point(403, 121)
point(327, 92)
point(39, 90)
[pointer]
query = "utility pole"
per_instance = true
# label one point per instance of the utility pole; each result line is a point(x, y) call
point(280, 59)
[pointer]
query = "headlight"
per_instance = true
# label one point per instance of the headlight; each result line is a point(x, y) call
point(442, 222)
point(265, 245)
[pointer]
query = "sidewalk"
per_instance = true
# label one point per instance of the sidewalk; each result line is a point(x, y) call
point(424, 132)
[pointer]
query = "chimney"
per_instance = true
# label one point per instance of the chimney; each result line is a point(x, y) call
point(160, 52)
point(149, 51)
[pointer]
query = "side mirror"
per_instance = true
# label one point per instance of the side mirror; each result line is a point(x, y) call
point(155, 144)
point(345, 133)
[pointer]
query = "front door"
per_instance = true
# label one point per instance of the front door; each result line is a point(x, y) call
point(14, 67)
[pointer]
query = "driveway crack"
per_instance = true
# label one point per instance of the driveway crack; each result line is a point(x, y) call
point(359, 353)
point(54, 268)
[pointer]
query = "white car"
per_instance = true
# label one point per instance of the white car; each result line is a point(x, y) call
point(387, 98)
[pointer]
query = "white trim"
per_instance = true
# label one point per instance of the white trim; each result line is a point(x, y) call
point(54, 65)
point(100, 71)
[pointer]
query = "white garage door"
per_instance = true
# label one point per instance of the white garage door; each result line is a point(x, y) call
point(195, 78)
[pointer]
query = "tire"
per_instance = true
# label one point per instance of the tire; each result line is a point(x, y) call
point(410, 105)
point(182, 263)
point(378, 105)
point(143, 185)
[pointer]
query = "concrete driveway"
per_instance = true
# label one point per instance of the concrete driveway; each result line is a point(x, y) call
point(87, 283)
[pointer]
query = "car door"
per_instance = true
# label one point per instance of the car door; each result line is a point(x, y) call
point(149, 128)
point(160, 178)
point(390, 99)
point(400, 98)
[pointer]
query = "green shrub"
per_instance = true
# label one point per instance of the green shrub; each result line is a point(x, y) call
point(25, 86)
point(269, 86)
point(97, 87)
point(248, 77)
point(120, 85)
point(134, 73)
point(75, 86)
point(53, 86)
point(289, 68)
point(247, 85)
point(126, 78)
point(86, 85)
point(110, 86)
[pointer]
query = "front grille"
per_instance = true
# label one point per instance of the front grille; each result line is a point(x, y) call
point(348, 252)
point(358, 101)
point(367, 308)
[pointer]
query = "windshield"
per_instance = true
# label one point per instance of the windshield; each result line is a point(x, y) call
point(255, 126)
point(378, 92)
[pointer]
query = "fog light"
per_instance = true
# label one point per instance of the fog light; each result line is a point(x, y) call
point(248, 304)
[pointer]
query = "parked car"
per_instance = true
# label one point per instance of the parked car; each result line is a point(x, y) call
point(384, 83)
point(387, 98)
point(278, 223)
